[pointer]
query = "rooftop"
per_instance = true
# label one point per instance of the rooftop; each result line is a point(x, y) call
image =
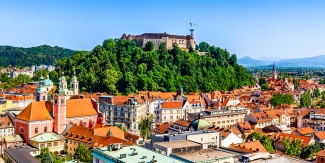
point(21, 156)
point(178, 144)
point(45, 137)
point(204, 155)
point(143, 155)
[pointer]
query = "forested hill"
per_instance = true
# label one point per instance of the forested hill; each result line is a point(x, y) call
point(120, 67)
point(44, 54)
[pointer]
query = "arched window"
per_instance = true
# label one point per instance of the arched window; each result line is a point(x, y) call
point(62, 101)
point(36, 130)
point(21, 130)
point(45, 129)
point(171, 117)
point(76, 85)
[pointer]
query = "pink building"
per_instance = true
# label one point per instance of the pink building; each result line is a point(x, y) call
point(53, 116)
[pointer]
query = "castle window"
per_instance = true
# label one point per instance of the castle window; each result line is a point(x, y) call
point(55, 101)
point(21, 130)
point(45, 129)
point(62, 101)
point(36, 130)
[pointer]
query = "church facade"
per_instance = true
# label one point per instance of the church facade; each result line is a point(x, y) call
point(43, 115)
point(183, 42)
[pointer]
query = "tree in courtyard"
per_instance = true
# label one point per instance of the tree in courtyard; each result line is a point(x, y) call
point(83, 154)
point(48, 158)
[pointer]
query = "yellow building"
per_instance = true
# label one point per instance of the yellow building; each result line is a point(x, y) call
point(7, 104)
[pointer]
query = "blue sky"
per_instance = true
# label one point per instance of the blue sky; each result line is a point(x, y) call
point(277, 28)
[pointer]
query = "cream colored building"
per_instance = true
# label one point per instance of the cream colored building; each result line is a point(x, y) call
point(171, 111)
point(183, 42)
point(221, 118)
point(50, 140)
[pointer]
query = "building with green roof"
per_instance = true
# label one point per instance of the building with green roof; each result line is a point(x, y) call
point(199, 123)
point(134, 154)
point(50, 140)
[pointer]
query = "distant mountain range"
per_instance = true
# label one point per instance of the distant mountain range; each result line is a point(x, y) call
point(316, 61)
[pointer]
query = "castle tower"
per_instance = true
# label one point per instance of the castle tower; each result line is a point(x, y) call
point(59, 108)
point(74, 84)
point(274, 75)
point(192, 33)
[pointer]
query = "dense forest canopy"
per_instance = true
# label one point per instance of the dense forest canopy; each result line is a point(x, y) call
point(21, 57)
point(120, 67)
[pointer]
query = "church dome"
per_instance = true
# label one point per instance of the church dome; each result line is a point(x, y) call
point(47, 81)
point(199, 124)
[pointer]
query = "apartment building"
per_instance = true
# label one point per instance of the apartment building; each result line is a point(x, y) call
point(6, 126)
point(126, 110)
point(175, 110)
point(220, 118)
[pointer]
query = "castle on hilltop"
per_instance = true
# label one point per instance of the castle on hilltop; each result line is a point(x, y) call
point(184, 42)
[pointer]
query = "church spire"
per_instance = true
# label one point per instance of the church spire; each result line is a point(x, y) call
point(274, 75)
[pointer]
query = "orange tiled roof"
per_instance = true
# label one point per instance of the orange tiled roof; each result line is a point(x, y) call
point(320, 135)
point(108, 140)
point(245, 126)
point(131, 137)
point(305, 131)
point(162, 128)
point(252, 146)
point(304, 139)
point(36, 111)
point(80, 107)
point(168, 105)
point(320, 153)
point(182, 122)
point(4, 120)
point(261, 117)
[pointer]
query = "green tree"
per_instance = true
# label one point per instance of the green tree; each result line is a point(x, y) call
point(267, 143)
point(145, 126)
point(149, 46)
point(309, 150)
point(83, 154)
point(316, 93)
point(48, 158)
point(262, 81)
point(292, 148)
point(305, 99)
point(255, 135)
point(279, 99)
point(264, 87)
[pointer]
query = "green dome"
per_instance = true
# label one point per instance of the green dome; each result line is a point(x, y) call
point(199, 124)
point(47, 81)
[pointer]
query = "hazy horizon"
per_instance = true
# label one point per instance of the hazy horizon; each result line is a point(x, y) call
point(257, 29)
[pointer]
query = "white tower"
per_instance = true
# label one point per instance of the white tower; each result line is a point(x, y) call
point(74, 84)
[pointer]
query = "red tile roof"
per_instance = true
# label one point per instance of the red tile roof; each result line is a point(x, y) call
point(304, 139)
point(320, 135)
point(305, 131)
point(80, 107)
point(36, 111)
point(253, 146)
point(168, 105)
